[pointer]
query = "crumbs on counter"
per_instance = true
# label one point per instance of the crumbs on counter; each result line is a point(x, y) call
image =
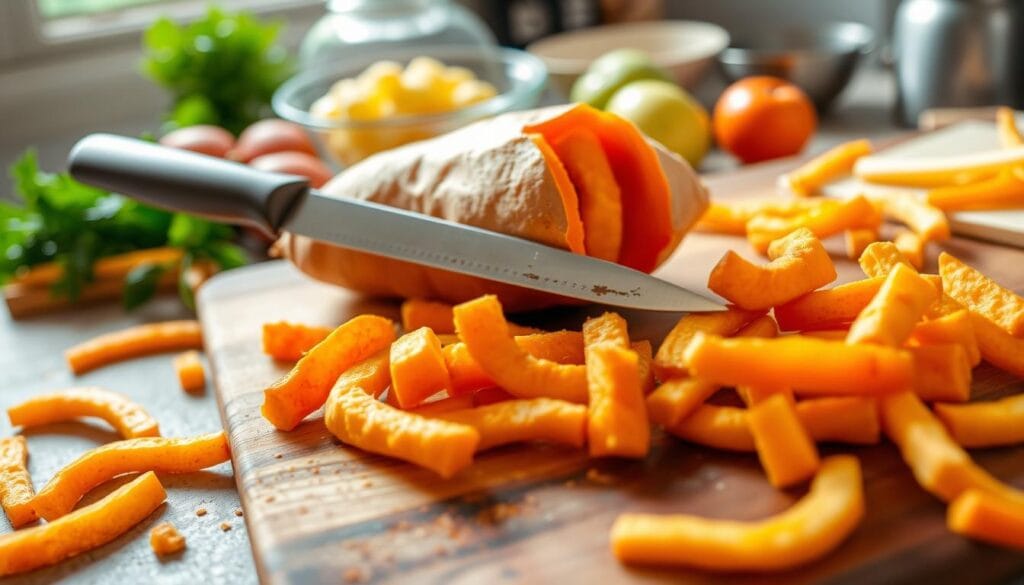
point(200, 511)
point(238, 512)
point(225, 526)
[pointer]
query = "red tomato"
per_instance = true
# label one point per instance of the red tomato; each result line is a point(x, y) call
point(294, 163)
point(760, 118)
point(209, 140)
point(271, 135)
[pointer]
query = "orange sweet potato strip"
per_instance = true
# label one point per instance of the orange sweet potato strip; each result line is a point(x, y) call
point(134, 342)
point(1006, 124)
point(617, 415)
point(859, 239)
point(941, 372)
point(911, 246)
point(355, 417)
point(814, 174)
point(1004, 190)
point(190, 371)
point(128, 418)
point(784, 447)
point(442, 405)
point(998, 347)
point(418, 368)
point(879, 258)
point(515, 421)
point(436, 315)
point(645, 355)
point(988, 517)
point(954, 327)
point(607, 328)
point(94, 467)
point(731, 217)
point(828, 308)
point(985, 424)
point(810, 529)
point(890, 317)
point(482, 327)
point(927, 221)
point(305, 388)
point(669, 363)
point(564, 347)
point(82, 530)
point(574, 230)
point(799, 264)
point(982, 295)
point(836, 368)
point(288, 342)
point(15, 483)
point(823, 221)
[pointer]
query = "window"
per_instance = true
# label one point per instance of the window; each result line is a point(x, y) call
point(49, 9)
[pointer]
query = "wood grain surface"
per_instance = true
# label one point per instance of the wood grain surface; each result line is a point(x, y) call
point(320, 512)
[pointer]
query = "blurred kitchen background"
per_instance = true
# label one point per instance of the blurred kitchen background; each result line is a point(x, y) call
point(68, 67)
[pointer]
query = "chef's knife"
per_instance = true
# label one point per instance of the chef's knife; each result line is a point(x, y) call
point(271, 202)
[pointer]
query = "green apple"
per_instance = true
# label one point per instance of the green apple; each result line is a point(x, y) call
point(610, 72)
point(666, 113)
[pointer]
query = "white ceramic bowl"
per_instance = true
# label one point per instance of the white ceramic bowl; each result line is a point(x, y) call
point(684, 48)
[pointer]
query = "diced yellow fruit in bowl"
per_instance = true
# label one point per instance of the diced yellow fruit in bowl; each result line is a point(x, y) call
point(472, 91)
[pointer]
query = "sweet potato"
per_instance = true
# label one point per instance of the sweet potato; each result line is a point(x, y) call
point(859, 239)
point(288, 342)
point(731, 217)
point(15, 483)
point(165, 539)
point(1003, 190)
point(190, 371)
point(811, 176)
point(998, 347)
point(890, 317)
point(784, 447)
point(988, 517)
point(985, 424)
point(514, 421)
point(823, 221)
point(954, 327)
point(669, 362)
point(108, 268)
point(911, 246)
point(927, 221)
point(617, 416)
point(134, 342)
point(418, 368)
point(564, 347)
point(880, 258)
point(982, 295)
point(941, 372)
point(828, 308)
point(128, 418)
point(936, 171)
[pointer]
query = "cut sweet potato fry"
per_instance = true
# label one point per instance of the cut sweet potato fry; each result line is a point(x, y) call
point(15, 483)
point(669, 363)
point(109, 268)
point(134, 342)
point(443, 405)
point(94, 467)
point(927, 221)
point(987, 517)
point(731, 217)
point(799, 264)
point(436, 315)
point(935, 171)
point(823, 221)
point(954, 327)
point(880, 258)
point(940, 465)
point(617, 415)
point(828, 308)
point(645, 355)
point(129, 419)
point(515, 421)
point(911, 246)
point(1006, 124)
point(985, 424)
point(607, 328)
point(998, 347)
point(811, 528)
point(1004, 190)
point(891, 315)
point(82, 530)
point(941, 372)
point(355, 417)
point(190, 371)
point(564, 347)
point(814, 174)
point(418, 368)
point(482, 327)
point(836, 367)
point(784, 447)
point(844, 419)
point(982, 295)
point(290, 341)
point(859, 239)
point(305, 388)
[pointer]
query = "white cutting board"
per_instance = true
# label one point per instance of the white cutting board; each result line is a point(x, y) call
point(1006, 227)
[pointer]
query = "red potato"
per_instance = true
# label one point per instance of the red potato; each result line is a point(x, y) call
point(294, 163)
point(268, 136)
point(204, 139)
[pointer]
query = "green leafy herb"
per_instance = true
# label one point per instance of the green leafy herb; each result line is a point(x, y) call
point(221, 69)
point(140, 284)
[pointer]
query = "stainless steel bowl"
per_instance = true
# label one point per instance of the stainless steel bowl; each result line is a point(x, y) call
point(819, 60)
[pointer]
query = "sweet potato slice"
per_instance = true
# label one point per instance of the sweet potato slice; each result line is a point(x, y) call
point(617, 415)
point(784, 447)
point(998, 347)
point(836, 367)
point(808, 530)
point(988, 517)
point(828, 308)
point(941, 372)
point(823, 221)
point(607, 328)
point(935, 171)
point(418, 368)
point(890, 317)
point(880, 258)
point(129, 419)
point(305, 388)
point(911, 246)
point(982, 295)
point(15, 483)
point(599, 195)
point(669, 361)
point(564, 347)
point(1004, 190)
point(985, 424)
point(859, 239)
point(134, 342)
point(94, 467)
point(926, 220)
point(954, 327)
point(482, 327)
point(515, 421)
point(82, 530)
point(290, 341)
point(731, 217)
point(443, 405)
point(355, 417)
point(814, 174)
point(566, 190)
point(190, 371)
point(437, 316)
point(1006, 125)
point(799, 264)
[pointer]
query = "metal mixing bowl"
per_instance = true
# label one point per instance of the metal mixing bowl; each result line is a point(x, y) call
point(820, 60)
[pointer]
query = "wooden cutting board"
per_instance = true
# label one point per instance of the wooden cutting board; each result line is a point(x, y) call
point(319, 512)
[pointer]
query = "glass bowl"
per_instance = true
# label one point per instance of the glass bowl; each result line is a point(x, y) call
point(518, 77)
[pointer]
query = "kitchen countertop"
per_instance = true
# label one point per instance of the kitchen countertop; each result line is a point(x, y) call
point(31, 362)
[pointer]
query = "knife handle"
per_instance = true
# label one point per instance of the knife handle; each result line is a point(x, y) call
point(184, 181)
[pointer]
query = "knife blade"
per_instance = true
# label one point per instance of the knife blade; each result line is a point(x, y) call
point(273, 202)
